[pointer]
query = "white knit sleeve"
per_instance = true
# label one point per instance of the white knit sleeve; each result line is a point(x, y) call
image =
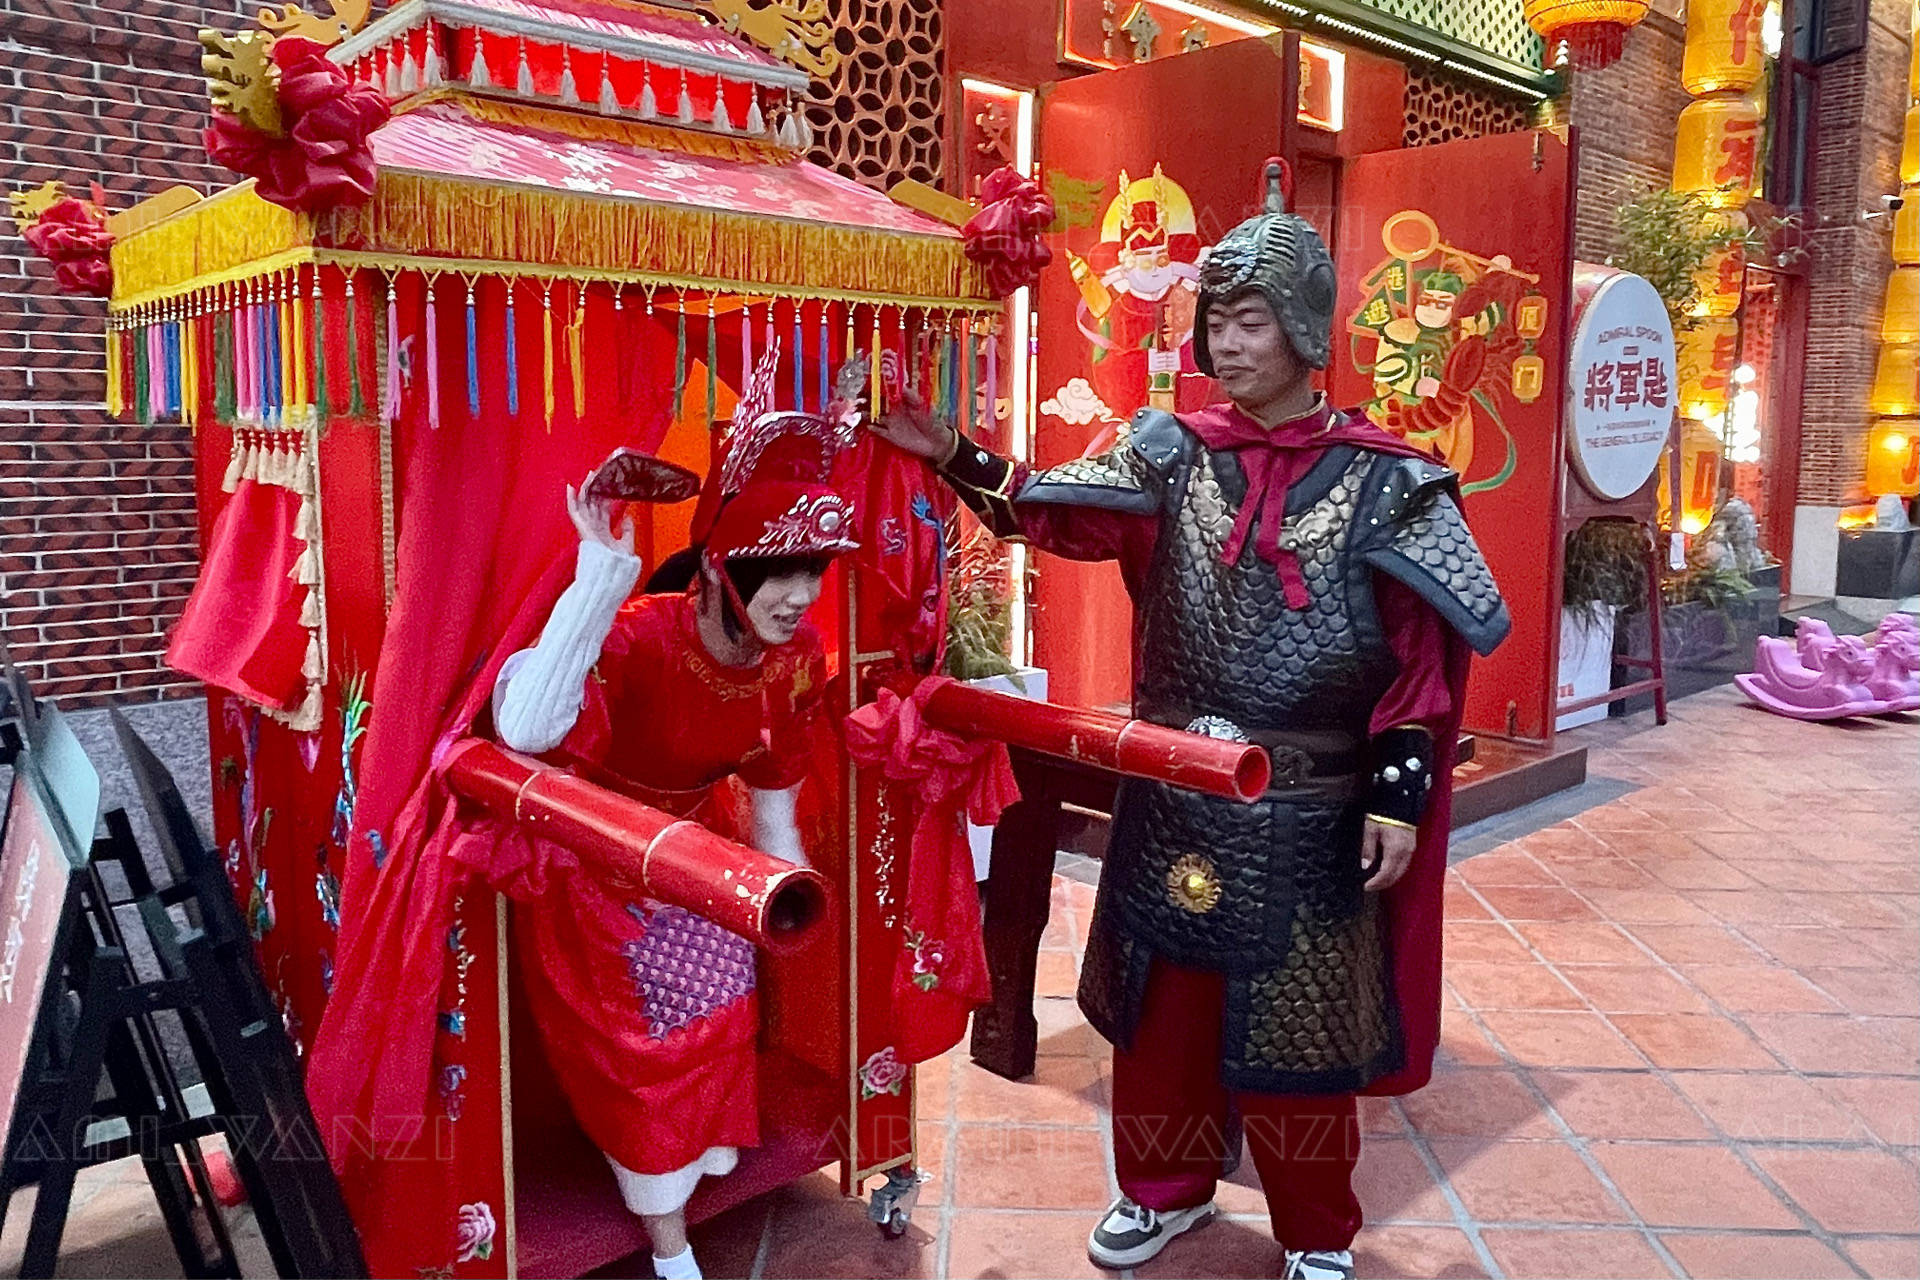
point(540, 690)
point(774, 830)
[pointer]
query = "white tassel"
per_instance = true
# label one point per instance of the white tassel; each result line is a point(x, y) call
point(722, 119)
point(649, 105)
point(526, 72)
point(789, 134)
point(806, 131)
point(609, 102)
point(685, 113)
point(306, 570)
point(314, 667)
point(409, 74)
point(303, 522)
point(310, 611)
point(231, 480)
point(250, 464)
point(430, 70)
point(756, 122)
point(391, 85)
point(307, 718)
point(569, 92)
point(478, 76)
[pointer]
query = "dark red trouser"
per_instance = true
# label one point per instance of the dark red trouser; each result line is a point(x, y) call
point(1170, 1121)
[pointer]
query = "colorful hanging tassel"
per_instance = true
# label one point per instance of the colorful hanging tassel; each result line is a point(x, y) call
point(242, 345)
point(390, 404)
point(546, 351)
point(799, 361)
point(293, 330)
point(356, 403)
point(873, 373)
point(713, 364)
point(965, 425)
point(433, 353)
point(142, 407)
point(992, 425)
point(276, 387)
point(746, 345)
point(116, 400)
point(170, 352)
point(156, 371)
point(513, 353)
point(473, 357)
point(577, 352)
point(823, 368)
point(320, 406)
point(680, 357)
point(190, 367)
point(223, 409)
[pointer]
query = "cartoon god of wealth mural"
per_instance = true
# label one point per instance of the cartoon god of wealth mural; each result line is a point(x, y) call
point(1138, 285)
point(1451, 342)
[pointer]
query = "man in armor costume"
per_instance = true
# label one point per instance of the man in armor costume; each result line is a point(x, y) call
point(1302, 580)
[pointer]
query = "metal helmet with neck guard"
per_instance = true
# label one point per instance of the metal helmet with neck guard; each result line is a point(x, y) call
point(1281, 256)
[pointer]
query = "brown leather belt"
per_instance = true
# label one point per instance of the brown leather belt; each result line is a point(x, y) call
point(1313, 764)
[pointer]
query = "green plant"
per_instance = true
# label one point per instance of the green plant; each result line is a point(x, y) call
point(1606, 566)
point(979, 613)
point(1667, 237)
point(1715, 588)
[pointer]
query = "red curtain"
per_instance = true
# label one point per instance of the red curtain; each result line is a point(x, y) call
point(241, 626)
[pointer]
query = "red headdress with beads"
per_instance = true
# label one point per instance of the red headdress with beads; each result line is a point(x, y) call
point(770, 496)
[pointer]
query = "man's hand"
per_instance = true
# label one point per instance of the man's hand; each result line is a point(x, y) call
point(594, 520)
point(1387, 850)
point(910, 427)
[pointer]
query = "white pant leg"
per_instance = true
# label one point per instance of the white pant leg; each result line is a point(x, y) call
point(654, 1194)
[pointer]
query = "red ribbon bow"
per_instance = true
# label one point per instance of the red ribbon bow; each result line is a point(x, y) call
point(324, 160)
point(1005, 236)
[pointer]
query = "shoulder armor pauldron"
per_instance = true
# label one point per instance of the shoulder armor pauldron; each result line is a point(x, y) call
point(1132, 476)
point(1417, 534)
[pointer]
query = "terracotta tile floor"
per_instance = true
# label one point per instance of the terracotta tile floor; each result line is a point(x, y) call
point(1681, 1040)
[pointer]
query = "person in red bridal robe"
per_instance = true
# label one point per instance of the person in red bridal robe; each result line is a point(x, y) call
point(647, 1011)
point(1304, 581)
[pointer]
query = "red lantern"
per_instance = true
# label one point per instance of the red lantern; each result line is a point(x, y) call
point(1595, 30)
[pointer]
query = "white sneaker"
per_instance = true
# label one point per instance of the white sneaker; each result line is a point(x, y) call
point(1131, 1233)
point(1319, 1264)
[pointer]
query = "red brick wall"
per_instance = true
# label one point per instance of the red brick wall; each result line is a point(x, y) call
point(1626, 115)
point(97, 546)
point(1857, 149)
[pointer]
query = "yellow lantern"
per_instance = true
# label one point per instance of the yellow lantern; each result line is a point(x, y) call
point(1716, 149)
point(1896, 381)
point(1724, 50)
point(1529, 378)
point(1906, 229)
point(1530, 316)
point(1900, 322)
point(1595, 30)
point(1721, 280)
point(1893, 457)
point(1700, 452)
point(1910, 146)
point(1706, 359)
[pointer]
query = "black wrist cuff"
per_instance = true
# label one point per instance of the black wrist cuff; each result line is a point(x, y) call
point(1402, 775)
point(978, 469)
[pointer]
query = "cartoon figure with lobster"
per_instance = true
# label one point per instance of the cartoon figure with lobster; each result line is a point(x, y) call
point(1448, 337)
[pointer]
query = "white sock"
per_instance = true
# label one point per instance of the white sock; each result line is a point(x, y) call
point(680, 1266)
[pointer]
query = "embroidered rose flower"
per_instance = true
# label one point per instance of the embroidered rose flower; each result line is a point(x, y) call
point(475, 1232)
point(882, 1073)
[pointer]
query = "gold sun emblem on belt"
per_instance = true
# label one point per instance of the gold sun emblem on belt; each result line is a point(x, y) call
point(1193, 884)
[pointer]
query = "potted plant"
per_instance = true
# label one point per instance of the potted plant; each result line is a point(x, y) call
point(980, 641)
point(1604, 572)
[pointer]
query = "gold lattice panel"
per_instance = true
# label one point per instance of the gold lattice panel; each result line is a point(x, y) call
point(1441, 109)
point(880, 119)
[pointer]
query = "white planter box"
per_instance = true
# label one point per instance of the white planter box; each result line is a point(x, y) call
point(1035, 679)
point(1586, 662)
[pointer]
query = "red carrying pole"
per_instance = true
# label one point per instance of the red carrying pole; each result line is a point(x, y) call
point(771, 903)
point(1135, 748)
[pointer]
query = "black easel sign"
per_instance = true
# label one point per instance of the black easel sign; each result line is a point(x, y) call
point(33, 894)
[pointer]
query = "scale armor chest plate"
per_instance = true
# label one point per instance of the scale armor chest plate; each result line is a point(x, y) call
point(1219, 639)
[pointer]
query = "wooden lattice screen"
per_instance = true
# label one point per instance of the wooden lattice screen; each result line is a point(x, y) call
point(881, 117)
point(1441, 108)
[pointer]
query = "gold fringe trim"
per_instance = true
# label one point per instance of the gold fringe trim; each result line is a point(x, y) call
point(632, 133)
point(427, 215)
point(234, 229)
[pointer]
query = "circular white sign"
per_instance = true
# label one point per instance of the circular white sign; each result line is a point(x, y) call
point(1621, 382)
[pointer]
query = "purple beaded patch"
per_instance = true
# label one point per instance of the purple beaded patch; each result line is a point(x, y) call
point(684, 967)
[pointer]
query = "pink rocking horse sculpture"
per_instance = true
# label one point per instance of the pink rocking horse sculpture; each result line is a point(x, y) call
point(1821, 676)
